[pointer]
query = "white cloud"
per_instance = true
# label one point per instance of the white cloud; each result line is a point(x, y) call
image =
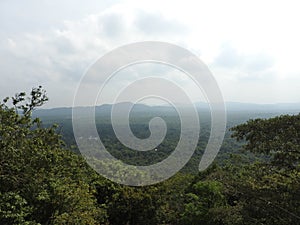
point(52, 45)
point(153, 23)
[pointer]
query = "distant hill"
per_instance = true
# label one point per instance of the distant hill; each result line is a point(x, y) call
point(66, 112)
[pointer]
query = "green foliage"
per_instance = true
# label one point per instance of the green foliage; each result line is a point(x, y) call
point(37, 98)
point(14, 209)
point(202, 197)
point(278, 137)
point(270, 189)
point(41, 182)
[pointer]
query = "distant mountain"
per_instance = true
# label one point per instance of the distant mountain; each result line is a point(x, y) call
point(105, 109)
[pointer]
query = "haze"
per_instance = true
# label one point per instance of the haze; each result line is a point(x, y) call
point(251, 47)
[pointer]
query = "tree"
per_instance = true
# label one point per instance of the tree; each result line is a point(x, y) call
point(278, 137)
point(200, 200)
point(40, 181)
point(271, 187)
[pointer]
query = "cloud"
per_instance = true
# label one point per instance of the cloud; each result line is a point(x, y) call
point(59, 56)
point(228, 57)
point(53, 43)
point(245, 66)
point(35, 16)
point(112, 25)
point(154, 23)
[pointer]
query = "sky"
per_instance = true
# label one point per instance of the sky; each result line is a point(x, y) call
point(251, 47)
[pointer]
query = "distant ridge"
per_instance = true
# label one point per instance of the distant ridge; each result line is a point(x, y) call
point(66, 112)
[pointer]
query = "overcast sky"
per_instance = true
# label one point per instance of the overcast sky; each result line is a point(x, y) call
point(251, 47)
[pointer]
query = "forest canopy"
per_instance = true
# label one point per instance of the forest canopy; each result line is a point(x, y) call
point(42, 181)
